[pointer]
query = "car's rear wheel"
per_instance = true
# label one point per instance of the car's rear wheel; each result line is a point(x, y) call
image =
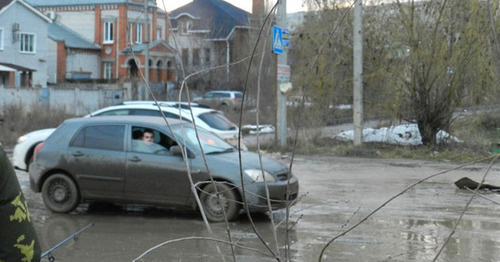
point(60, 193)
point(214, 205)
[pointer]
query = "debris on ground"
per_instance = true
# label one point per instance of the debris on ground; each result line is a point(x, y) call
point(467, 183)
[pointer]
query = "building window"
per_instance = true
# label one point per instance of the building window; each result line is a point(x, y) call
point(1, 38)
point(138, 33)
point(207, 56)
point(108, 32)
point(196, 57)
point(158, 33)
point(130, 33)
point(27, 43)
point(185, 56)
point(186, 26)
point(108, 70)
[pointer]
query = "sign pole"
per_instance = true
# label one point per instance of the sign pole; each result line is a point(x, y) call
point(358, 73)
point(281, 128)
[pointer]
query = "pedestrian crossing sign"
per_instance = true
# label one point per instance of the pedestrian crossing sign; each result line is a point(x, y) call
point(277, 40)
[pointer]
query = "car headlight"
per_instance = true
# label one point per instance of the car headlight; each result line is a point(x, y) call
point(256, 175)
point(21, 139)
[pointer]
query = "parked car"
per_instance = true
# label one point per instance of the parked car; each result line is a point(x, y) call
point(204, 117)
point(22, 154)
point(221, 100)
point(93, 159)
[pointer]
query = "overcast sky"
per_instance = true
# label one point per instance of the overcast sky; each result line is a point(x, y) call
point(292, 5)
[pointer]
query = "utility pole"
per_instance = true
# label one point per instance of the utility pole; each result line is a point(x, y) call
point(358, 73)
point(281, 123)
point(146, 56)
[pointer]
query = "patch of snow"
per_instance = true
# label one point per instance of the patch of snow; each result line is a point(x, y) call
point(341, 107)
point(263, 129)
point(407, 134)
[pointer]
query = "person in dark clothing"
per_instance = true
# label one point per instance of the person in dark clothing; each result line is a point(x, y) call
point(18, 238)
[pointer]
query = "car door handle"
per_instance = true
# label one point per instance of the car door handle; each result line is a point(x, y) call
point(77, 153)
point(135, 159)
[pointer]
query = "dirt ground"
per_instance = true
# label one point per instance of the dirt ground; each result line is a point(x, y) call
point(336, 193)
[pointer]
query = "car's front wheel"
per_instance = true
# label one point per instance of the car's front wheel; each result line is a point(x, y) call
point(214, 205)
point(60, 193)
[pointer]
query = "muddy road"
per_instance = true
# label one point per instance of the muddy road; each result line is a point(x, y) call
point(336, 194)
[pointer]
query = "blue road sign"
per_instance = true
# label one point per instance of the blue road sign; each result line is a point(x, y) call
point(277, 40)
point(284, 39)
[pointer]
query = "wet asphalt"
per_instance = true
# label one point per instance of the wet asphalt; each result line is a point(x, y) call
point(336, 194)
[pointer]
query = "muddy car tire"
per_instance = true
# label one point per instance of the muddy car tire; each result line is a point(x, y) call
point(213, 209)
point(60, 193)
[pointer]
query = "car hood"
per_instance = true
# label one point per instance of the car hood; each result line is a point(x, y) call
point(41, 134)
point(249, 160)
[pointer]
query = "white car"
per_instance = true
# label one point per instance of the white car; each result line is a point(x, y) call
point(209, 119)
point(23, 151)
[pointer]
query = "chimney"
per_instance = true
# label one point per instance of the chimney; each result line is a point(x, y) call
point(258, 7)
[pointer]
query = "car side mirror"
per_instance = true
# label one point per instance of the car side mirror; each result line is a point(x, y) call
point(177, 151)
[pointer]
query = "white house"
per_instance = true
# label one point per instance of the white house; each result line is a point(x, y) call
point(23, 45)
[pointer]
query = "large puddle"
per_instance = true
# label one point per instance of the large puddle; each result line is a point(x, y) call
point(336, 194)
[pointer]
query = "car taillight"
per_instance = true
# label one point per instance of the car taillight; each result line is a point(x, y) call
point(37, 148)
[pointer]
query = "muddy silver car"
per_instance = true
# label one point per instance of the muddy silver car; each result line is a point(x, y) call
point(221, 100)
point(96, 159)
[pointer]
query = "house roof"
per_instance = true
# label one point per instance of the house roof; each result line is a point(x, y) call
point(17, 67)
point(6, 69)
point(72, 39)
point(4, 5)
point(138, 48)
point(217, 17)
point(47, 3)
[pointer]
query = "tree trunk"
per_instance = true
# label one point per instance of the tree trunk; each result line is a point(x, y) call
point(427, 133)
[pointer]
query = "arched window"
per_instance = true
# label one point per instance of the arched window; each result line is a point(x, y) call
point(160, 71)
point(170, 73)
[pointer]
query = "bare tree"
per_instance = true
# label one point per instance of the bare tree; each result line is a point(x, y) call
point(449, 60)
point(422, 59)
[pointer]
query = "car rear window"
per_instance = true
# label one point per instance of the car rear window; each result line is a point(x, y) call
point(109, 137)
point(217, 121)
point(146, 112)
point(238, 95)
point(117, 112)
point(175, 116)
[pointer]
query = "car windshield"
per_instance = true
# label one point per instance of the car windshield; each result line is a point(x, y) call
point(210, 143)
point(217, 121)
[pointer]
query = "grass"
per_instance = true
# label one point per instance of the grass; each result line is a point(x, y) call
point(480, 134)
point(15, 122)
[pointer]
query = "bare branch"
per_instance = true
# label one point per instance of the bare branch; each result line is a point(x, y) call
point(198, 238)
point(483, 196)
